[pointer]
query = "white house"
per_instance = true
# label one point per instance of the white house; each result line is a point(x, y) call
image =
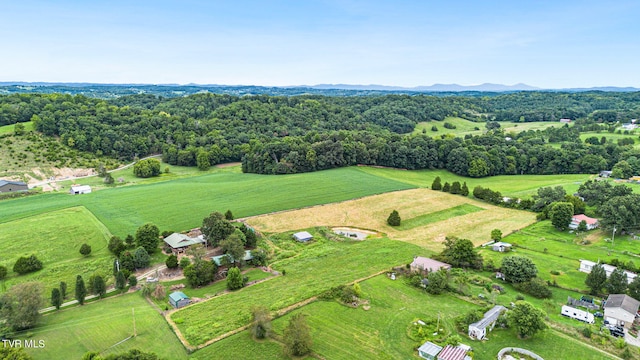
point(577, 219)
point(586, 266)
point(80, 189)
point(621, 309)
point(478, 330)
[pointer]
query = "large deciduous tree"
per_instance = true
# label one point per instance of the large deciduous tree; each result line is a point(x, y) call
point(460, 253)
point(518, 269)
point(216, 228)
point(526, 319)
point(297, 336)
point(621, 212)
point(617, 282)
point(596, 279)
point(20, 305)
point(546, 196)
point(561, 214)
point(233, 246)
point(146, 168)
point(147, 236)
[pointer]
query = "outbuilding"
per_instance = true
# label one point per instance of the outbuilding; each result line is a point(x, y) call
point(12, 186)
point(453, 353)
point(180, 242)
point(178, 299)
point(501, 246)
point(429, 350)
point(427, 265)
point(478, 330)
point(302, 236)
point(80, 189)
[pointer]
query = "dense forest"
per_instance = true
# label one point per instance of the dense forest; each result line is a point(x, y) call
point(288, 134)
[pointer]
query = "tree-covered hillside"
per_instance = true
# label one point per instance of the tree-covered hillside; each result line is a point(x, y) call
point(279, 134)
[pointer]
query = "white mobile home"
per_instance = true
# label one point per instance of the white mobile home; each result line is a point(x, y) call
point(80, 189)
point(577, 314)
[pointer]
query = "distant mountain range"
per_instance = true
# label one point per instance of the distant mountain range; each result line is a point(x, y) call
point(458, 88)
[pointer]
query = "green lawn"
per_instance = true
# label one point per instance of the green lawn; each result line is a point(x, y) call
point(68, 334)
point(9, 129)
point(611, 137)
point(314, 268)
point(522, 186)
point(55, 238)
point(436, 216)
point(241, 346)
point(466, 127)
point(182, 204)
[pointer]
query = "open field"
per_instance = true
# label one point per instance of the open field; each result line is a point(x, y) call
point(521, 186)
point(55, 238)
point(314, 267)
point(372, 212)
point(611, 137)
point(8, 129)
point(429, 218)
point(242, 346)
point(68, 334)
point(124, 209)
point(466, 127)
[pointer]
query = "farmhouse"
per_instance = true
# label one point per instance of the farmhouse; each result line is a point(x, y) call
point(426, 265)
point(12, 186)
point(302, 236)
point(220, 259)
point(80, 189)
point(178, 299)
point(429, 350)
point(180, 242)
point(621, 310)
point(577, 219)
point(501, 246)
point(586, 266)
point(478, 330)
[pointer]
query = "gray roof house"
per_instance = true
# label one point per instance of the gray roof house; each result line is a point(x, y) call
point(478, 330)
point(180, 242)
point(11, 186)
point(429, 350)
point(178, 299)
point(621, 309)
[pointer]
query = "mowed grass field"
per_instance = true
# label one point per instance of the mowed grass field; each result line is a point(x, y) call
point(611, 137)
point(520, 186)
point(98, 326)
point(312, 269)
point(9, 129)
point(466, 127)
point(474, 222)
point(182, 204)
point(55, 238)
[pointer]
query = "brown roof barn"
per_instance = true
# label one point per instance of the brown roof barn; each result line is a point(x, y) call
point(424, 264)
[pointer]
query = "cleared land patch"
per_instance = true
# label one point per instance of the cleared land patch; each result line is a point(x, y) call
point(441, 215)
point(68, 334)
point(372, 212)
point(124, 209)
point(313, 268)
point(466, 127)
point(55, 238)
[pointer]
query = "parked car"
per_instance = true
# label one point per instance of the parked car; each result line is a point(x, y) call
point(598, 314)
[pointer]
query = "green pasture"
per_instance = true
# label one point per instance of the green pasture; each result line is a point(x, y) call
point(521, 186)
point(99, 326)
point(182, 204)
point(55, 238)
point(436, 216)
point(466, 127)
point(611, 137)
point(314, 268)
point(242, 346)
point(9, 129)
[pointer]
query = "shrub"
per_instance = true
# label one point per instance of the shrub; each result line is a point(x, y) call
point(535, 287)
point(394, 218)
point(133, 281)
point(27, 264)
point(171, 262)
point(586, 332)
point(85, 249)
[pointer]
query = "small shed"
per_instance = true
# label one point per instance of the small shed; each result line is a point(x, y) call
point(478, 330)
point(429, 350)
point(12, 186)
point(178, 299)
point(302, 236)
point(80, 189)
point(501, 246)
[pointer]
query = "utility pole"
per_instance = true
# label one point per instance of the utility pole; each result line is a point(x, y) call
point(613, 236)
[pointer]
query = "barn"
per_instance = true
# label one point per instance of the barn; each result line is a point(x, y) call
point(80, 189)
point(12, 186)
point(178, 299)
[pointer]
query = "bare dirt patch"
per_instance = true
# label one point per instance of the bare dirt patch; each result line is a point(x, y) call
point(371, 213)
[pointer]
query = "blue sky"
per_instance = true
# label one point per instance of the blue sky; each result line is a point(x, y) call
point(550, 44)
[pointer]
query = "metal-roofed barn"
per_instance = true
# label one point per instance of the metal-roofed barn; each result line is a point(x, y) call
point(12, 186)
point(478, 330)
